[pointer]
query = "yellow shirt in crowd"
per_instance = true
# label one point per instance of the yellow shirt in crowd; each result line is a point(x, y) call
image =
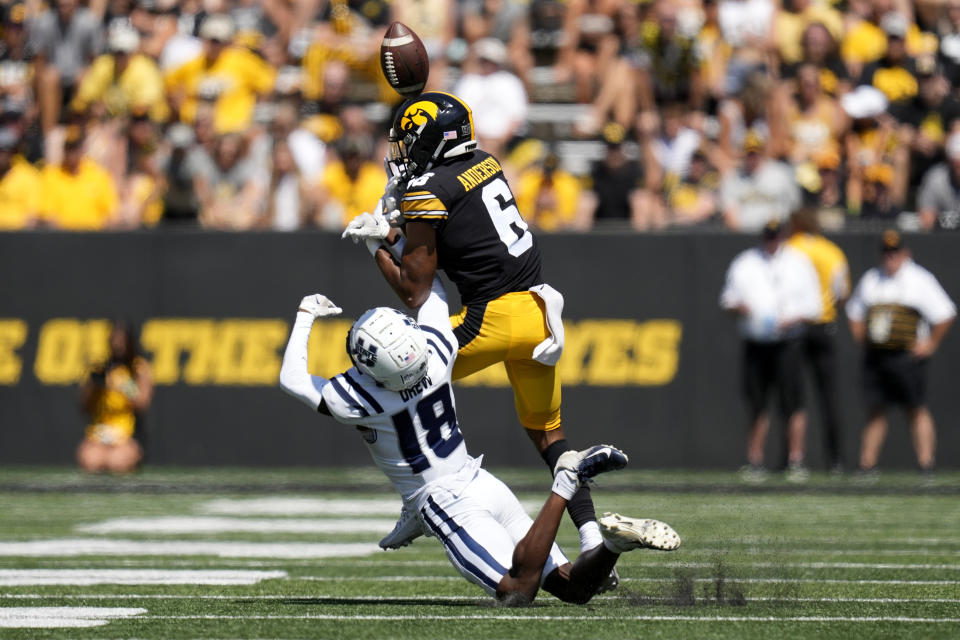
point(566, 196)
point(84, 201)
point(139, 85)
point(832, 270)
point(20, 192)
point(355, 196)
point(241, 76)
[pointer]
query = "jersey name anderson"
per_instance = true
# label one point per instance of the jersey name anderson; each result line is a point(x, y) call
point(479, 173)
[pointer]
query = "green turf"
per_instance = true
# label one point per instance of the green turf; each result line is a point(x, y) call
point(831, 559)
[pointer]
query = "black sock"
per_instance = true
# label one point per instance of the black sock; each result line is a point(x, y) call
point(580, 506)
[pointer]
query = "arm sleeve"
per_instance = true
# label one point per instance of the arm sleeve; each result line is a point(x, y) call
point(937, 305)
point(294, 377)
point(856, 308)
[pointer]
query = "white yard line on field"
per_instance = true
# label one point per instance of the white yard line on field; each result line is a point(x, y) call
point(85, 577)
point(223, 549)
point(302, 506)
point(61, 617)
point(175, 525)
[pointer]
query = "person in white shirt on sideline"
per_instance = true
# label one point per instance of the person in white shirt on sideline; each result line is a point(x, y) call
point(398, 395)
point(900, 313)
point(775, 291)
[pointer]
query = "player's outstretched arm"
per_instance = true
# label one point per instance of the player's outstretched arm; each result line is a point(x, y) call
point(412, 278)
point(295, 379)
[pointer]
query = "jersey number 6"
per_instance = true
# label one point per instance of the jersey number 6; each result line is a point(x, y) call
point(434, 412)
point(506, 218)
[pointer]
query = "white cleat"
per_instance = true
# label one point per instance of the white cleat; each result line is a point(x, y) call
point(404, 532)
point(626, 534)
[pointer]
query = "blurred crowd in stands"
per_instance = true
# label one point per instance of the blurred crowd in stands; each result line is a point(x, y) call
point(272, 114)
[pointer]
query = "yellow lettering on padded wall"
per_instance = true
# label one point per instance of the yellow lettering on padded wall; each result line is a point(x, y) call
point(326, 351)
point(167, 339)
point(66, 347)
point(13, 333)
point(657, 352)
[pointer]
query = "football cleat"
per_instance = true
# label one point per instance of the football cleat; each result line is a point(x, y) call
point(609, 583)
point(404, 532)
point(624, 534)
point(591, 462)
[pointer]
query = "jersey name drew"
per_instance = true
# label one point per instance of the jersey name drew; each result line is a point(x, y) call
point(483, 243)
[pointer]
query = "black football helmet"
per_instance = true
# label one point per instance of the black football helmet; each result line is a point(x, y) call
point(433, 126)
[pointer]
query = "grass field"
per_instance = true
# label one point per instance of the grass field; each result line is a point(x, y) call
point(292, 554)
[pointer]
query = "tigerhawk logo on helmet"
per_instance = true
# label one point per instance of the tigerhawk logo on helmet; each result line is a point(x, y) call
point(428, 129)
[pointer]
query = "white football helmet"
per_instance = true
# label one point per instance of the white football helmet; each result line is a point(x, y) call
point(389, 347)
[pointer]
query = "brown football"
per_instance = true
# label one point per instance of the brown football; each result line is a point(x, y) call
point(403, 59)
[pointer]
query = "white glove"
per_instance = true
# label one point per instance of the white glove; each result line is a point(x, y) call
point(367, 226)
point(319, 306)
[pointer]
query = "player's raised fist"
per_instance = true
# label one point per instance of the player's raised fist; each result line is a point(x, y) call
point(319, 306)
point(403, 59)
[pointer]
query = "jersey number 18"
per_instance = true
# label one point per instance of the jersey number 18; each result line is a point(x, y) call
point(434, 411)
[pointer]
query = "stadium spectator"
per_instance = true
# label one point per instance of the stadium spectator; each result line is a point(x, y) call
point(122, 79)
point(229, 75)
point(231, 187)
point(144, 184)
point(815, 119)
point(819, 48)
point(762, 190)
point(549, 197)
point(692, 199)
point(64, 40)
point(798, 28)
point(938, 199)
point(895, 73)
point(78, 193)
point(819, 340)
point(589, 45)
point(949, 51)
point(180, 204)
point(827, 193)
point(291, 197)
point(752, 107)
point(15, 63)
point(506, 20)
point(20, 185)
point(774, 291)
point(667, 62)
point(349, 185)
point(900, 314)
point(864, 40)
point(927, 119)
point(617, 192)
point(495, 95)
point(671, 149)
point(114, 395)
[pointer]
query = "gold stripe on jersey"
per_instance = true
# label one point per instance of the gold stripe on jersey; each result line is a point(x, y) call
point(426, 205)
point(479, 173)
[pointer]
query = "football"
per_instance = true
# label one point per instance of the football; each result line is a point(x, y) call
point(403, 59)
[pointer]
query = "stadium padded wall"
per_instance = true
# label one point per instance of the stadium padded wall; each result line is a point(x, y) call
point(651, 365)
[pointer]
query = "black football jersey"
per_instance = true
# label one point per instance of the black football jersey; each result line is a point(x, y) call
point(483, 245)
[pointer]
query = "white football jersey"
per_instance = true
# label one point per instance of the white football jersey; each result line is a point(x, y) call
point(412, 434)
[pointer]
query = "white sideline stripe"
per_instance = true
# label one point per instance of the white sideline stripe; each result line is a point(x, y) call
point(173, 525)
point(341, 507)
point(429, 598)
point(224, 549)
point(622, 579)
point(60, 617)
point(534, 618)
point(813, 565)
point(87, 577)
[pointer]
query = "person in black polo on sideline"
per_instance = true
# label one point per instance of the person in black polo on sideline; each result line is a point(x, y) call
point(900, 313)
point(774, 290)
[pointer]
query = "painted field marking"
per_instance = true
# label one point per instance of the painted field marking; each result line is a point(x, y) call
point(223, 549)
point(173, 525)
point(62, 617)
point(303, 506)
point(86, 577)
point(538, 618)
point(428, 598)
point(622, 580)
